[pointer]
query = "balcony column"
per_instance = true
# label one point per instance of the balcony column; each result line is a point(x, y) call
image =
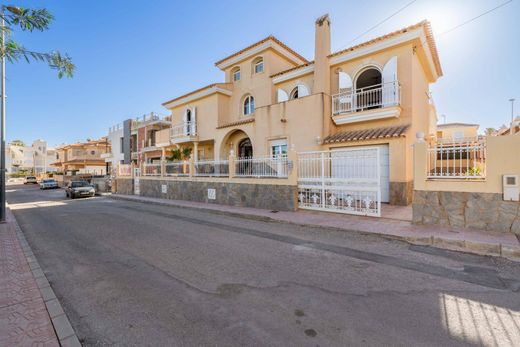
point(196, 151)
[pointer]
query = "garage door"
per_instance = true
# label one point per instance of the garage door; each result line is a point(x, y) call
point(356, 162)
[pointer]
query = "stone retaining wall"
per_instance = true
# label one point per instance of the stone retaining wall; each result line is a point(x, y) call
point(125, 186)
point(484, 211)
point(401, 193)
point(265, 196)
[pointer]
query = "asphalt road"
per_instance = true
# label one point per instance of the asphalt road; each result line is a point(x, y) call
point(132, 274)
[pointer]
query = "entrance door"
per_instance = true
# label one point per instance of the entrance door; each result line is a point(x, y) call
point(245, 149)
point(279, 150)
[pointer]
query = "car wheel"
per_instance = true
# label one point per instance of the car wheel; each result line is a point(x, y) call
point(72, 196)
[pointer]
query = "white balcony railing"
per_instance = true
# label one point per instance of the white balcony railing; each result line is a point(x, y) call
point(459, 161)
point(212, 168)
point(183, 129)
point(457, 140)
point(124, 170)
point(377, 96)
point(177, 168)
point(262, 167)
point(152, 169)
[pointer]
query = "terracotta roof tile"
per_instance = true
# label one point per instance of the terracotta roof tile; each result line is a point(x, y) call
point(293, 68)
point(228, 86)
point(270, 37)
point(367, 134)
point(239, 122)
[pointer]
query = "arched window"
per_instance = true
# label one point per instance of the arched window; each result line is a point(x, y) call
point(235, 73)
point(249, 105)
point(258, 65)
point(299, 92)
point(369, 90)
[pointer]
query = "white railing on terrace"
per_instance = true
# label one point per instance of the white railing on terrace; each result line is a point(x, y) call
point(457, 140)
point(152, 169)
point(183, 129)
point(212, 168)
point(177, 168)
point(376, 96)
point(262, 167)
point(459, 161)
point(125, 170)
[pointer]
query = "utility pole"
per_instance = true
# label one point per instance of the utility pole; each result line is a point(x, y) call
point(2, 123)
point(512, 128)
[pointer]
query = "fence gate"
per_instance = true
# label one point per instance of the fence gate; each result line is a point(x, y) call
point(346, 181)
point(137, 175)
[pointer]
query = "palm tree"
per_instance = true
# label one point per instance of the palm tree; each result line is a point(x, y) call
point(489, 131)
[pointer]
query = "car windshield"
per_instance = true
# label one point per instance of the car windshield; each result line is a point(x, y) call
point(48, 181)
point(79, 184)
point(31, 177)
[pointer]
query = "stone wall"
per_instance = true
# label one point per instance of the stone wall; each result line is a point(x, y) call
point(265, 196)
point(486, 211)
point(401, 193)
point(125, 186)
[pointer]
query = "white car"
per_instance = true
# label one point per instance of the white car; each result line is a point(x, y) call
point(49, 183)
point(30, 180)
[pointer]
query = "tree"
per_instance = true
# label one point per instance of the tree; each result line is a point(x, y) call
point(18, 143)
point(490, 131)
point(182, 153)
point(29, 20)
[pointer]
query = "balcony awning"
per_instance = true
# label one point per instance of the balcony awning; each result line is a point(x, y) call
point(367, 134)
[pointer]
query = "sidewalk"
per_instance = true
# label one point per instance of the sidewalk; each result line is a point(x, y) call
point(394, 224)
point(30, 314)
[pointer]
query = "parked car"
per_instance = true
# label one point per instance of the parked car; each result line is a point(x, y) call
point(30, 180)
point(48, 183)
point(79, 188)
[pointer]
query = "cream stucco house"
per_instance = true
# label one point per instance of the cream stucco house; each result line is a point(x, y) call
point(272, 100)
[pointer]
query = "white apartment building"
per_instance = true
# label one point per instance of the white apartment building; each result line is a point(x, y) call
point(36, 158)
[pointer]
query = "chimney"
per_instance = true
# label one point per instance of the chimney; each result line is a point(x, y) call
point(321, 52)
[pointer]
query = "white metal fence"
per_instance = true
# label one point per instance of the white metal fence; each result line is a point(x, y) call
point(277, 167)
point(212, 168)
point(183, 129)
point(177, 168)
point(458, 160)
point(345, 181)
point(152, 169)
point(380, 95)
point(124, 170)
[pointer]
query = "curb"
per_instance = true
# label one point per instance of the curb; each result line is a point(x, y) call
point(62, 327)
point(480, 248)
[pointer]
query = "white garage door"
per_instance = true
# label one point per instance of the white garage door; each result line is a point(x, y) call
point(355, 163)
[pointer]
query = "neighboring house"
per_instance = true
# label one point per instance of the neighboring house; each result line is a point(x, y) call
point(137, 140)
point(36, 158)
point(515, 125)
point(272, 99)
point(457, 133)
point(85, 157)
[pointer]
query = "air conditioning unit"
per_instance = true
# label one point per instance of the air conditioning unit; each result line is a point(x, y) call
point(510, 187)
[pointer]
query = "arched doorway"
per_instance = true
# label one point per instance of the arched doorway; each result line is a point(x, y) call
point(245, 148)
point(368, 89)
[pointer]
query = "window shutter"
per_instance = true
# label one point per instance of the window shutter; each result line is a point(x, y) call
point(390, 84)
point(302, 91)
point(193, 121)
point(282, 95)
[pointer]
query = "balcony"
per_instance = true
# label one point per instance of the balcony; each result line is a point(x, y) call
point(183, 132)
point(365, 104)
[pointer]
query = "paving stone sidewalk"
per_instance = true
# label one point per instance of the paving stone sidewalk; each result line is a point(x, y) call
point(473, 241)
point(29, 310)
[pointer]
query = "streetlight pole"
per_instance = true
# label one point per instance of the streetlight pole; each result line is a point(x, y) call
point(2, 123)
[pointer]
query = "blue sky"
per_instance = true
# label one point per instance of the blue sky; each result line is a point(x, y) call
point(133, 55)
